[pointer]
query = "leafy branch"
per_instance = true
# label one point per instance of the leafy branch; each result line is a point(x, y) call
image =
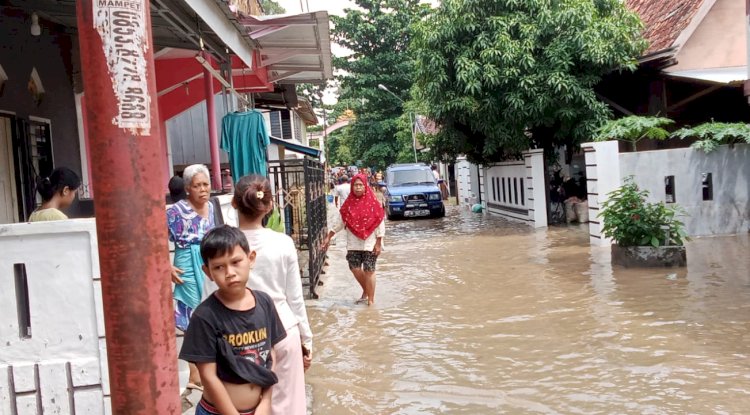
point(633, 129)
point(713, 134)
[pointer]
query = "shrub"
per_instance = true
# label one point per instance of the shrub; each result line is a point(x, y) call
point(633, 129)
point(632, 221)
point(713, 134)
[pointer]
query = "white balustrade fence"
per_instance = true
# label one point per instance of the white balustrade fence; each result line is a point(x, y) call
point(516, 189)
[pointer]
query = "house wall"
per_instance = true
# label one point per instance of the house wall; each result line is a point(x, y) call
point(50, 53)
point(727, 213)
point(188, 134)
point(719, 41)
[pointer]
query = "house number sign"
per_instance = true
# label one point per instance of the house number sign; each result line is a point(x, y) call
point(122, 26)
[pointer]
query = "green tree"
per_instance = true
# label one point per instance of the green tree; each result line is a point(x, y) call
point(272, 7)
point(378, 34)
point(337, 150)
point(500, 76)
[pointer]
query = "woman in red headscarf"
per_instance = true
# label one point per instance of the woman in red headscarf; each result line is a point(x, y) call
point(362, 217)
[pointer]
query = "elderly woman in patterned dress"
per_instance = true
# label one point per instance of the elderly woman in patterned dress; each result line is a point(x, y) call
point(188, 220)
point(363, 218)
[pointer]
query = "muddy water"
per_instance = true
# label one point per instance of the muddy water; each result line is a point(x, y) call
point(476, 315)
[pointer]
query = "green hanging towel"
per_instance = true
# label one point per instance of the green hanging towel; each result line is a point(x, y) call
point(245, 138)
point(275, 222)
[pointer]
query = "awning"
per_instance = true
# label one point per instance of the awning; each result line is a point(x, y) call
point(297, 148)
point(732, 75)
point(294, 48)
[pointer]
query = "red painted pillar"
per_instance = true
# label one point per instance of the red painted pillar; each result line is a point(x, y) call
point(123, 123)
point(213, 136)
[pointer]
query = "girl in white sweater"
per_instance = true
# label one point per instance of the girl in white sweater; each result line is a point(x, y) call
point(276, 273)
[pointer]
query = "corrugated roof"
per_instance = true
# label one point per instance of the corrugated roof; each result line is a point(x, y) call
point(665, 20)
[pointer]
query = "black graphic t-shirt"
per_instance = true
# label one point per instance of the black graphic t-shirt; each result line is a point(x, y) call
point(234, 338)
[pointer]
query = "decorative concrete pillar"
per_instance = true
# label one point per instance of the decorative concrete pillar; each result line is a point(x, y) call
point(603, 176)
point(534, 160)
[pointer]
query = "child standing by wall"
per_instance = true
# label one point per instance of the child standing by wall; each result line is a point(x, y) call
point(232, 334)
point(276, 272)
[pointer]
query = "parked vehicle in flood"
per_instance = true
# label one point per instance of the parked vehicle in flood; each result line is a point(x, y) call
point(412, 191)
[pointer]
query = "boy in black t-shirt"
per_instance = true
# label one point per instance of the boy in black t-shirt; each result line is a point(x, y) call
point(232, 333)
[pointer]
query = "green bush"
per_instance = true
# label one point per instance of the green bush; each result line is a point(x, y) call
point(631, 221)
point(713, 134)
point(633, 129)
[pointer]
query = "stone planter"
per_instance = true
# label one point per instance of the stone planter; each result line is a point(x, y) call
point(648, 256)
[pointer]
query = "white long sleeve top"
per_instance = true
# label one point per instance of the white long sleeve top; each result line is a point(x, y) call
point(353, 243)
point(276, 272)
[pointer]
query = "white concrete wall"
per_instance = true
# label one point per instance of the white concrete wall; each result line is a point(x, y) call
point(727, 213)
point(59, 368)
point(516, 189)
point(63, 365)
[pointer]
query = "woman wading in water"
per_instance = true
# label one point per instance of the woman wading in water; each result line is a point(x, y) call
point(362, 216)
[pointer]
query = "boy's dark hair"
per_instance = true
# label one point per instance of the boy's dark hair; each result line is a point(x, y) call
point(221, 240)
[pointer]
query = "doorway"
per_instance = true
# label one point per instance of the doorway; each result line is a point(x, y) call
point(8, 199)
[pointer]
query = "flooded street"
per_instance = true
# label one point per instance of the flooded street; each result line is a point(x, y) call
point(478, 315)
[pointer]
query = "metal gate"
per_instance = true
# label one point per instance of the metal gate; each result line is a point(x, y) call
point(299, 189)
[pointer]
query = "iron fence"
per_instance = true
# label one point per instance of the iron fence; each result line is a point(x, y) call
point(299, 189)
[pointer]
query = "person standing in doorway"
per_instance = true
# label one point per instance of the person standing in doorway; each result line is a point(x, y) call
point(188, 221)
point(363, 218)
point(58, 192)
point(277, 273)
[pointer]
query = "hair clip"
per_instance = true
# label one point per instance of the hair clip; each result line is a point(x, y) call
point(260, 194)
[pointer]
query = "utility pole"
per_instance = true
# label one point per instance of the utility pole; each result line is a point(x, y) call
point(116, 52)
point(412, 119)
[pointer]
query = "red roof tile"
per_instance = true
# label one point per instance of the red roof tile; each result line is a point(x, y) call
point(664, 20)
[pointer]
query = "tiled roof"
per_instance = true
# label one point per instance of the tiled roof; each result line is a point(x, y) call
point(664, 20)
point(426, 125)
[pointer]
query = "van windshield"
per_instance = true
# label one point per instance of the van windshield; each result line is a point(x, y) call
point(410, 177)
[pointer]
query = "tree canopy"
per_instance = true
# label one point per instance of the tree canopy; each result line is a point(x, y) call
point(500, 76)
point(271, 7)
point(378, 35)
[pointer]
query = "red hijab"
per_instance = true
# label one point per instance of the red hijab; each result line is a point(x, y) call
point(362, 214)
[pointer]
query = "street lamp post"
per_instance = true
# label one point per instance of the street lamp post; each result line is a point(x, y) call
point(411, 120)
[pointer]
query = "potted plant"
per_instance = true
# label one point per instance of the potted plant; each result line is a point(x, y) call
point(644, 234)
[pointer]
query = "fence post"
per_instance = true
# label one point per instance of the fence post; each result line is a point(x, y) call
point(603, 176)
point(534, 160)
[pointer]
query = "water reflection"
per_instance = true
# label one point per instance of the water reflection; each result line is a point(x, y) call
point(483, 316)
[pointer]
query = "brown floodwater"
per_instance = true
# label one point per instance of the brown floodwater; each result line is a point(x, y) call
point(477, 315)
